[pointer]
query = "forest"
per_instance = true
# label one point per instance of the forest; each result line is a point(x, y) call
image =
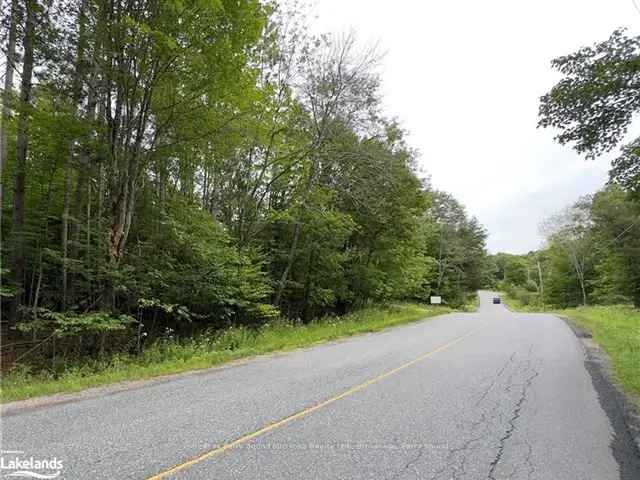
point(591, 256)
point(172, 167)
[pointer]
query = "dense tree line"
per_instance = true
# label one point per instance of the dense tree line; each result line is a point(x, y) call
point(198, 164)
point(591, 256)
point(592, 252)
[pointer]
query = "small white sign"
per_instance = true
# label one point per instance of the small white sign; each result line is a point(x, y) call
point(436, 300)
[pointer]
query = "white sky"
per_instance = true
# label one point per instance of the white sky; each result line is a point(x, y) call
point(464, 77)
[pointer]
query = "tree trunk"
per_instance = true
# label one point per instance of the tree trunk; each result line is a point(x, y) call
point(65, 232)
point(122, 214)
point(541, 283)
point(441, 262)
point(6, 95)
point(285, 273)
point(22, 145)
point(73, 230)
point(584, 293)
point(88, 243)
point(579, 268)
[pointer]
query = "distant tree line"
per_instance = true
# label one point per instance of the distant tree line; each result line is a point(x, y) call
point(591, 256)
point(189, 165)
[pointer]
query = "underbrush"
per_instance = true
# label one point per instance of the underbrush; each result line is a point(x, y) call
point(170, 356)
point(521, 299)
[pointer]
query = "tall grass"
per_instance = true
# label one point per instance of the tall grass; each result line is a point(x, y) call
point(206, 350)
point(521, 299)
point(617, 330)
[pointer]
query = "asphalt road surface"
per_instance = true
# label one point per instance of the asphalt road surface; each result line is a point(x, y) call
point(486, 395)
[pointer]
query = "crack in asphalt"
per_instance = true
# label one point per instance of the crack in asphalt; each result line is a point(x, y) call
point(527, 458)
point(512, 422)
point(455, 462)
point(462, 463)
point(408, 465)
point(460, 470)
point(495, 380)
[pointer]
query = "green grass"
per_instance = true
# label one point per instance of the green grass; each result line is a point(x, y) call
point(516, 305)
point(617, 330)
point(205, 351)
point(473, 303)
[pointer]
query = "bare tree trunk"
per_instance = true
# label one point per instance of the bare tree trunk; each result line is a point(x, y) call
point(123, 198)
point(122, 212)
point(36, 295)
point(578, 266)
point(441, 262)
point(100, 207)
point(582, 288)
point(541, 283)
point(22, 145)
point(88, 244)
point(290, 258)
point(78, 209)
point(78, 80)
point(65, 232)
point(7, 93)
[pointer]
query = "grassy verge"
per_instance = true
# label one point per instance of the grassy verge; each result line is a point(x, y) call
point(516, 305)
point(208, 350)
point(473, 303)
point(617, 330)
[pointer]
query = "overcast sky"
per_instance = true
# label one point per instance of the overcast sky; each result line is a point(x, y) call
point(464, 78)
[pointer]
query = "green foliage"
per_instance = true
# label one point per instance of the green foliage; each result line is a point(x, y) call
point(521, 299)
point(205, 350)
point(6, 291)
point(185, 267)
point(510, 268)
point(198, 166)
point(457, 245)
point(594, 103)
point(625, 169)
point(532, 286)
point(68, 324)
point(592, 255)
point(616, 239)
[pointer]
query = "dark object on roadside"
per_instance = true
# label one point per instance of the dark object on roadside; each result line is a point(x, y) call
point(496, 300)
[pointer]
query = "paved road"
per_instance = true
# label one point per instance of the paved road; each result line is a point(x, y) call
point(487, 395)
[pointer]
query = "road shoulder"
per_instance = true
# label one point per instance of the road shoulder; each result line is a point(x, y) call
point(622, 409)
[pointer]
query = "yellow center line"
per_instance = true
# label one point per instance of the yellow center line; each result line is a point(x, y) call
point(303, 413)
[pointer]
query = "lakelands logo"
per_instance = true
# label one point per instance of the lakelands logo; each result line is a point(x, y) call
point(14, 464)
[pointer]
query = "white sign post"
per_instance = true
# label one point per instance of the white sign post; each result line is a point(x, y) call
point(436, 300)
